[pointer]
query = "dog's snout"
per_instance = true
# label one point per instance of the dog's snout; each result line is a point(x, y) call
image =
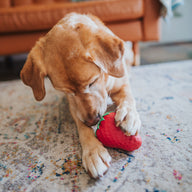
point(92, 120)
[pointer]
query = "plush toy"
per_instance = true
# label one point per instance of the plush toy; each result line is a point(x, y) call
point(114, 137)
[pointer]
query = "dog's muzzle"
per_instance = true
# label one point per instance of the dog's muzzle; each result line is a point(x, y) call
point(92, 122)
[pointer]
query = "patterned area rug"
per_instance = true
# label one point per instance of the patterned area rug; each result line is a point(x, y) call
point(40, 150)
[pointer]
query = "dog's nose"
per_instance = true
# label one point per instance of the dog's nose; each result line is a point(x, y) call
point(93, 121)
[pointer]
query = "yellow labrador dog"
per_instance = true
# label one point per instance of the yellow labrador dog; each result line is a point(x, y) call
point(84, 59)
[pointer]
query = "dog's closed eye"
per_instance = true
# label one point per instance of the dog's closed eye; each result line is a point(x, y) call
point(93, 82)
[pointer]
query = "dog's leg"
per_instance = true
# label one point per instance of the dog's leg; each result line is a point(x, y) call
point(95, 158)
point(127, 116)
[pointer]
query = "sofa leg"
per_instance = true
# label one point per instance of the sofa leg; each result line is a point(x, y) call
point(136, 54)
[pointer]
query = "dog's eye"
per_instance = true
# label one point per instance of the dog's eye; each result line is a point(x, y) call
point(92, 83)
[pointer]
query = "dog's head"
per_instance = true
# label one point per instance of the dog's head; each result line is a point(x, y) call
point(77, 55)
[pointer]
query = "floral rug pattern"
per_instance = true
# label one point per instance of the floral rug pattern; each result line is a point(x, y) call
point(40, 150)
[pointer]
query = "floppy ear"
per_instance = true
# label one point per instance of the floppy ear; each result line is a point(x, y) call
point(108, 55)
point(33, 73)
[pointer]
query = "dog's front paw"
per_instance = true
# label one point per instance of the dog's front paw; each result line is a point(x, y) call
point(128, 119)
point(96, 160)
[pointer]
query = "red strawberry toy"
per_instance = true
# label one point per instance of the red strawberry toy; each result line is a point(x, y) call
point(114, 137)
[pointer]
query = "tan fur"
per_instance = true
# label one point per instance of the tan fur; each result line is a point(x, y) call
point(88, 62)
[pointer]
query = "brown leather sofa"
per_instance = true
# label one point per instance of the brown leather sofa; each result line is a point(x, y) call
point(22, 22)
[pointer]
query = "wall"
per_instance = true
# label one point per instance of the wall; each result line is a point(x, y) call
point(178, 28)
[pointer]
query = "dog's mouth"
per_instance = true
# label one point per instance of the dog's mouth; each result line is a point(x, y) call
point(92, 122)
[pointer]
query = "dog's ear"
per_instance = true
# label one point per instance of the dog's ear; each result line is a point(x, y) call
point(33, 72)
point(108, 55)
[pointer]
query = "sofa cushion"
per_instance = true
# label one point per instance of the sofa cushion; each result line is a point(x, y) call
point(33, 17)
point(13, 3)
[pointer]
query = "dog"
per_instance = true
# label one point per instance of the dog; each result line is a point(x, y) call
point(87, 61)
